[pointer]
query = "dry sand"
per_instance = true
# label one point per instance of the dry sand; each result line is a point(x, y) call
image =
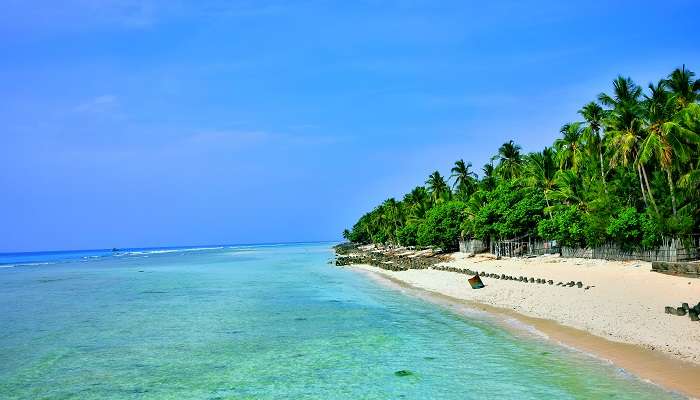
point(625, 304)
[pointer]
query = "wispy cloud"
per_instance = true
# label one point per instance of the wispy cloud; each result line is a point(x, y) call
point(99, 104)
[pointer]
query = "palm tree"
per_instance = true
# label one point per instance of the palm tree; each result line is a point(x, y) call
point(464, 178)
point(657, 111)
point(437, 186)
point(416, 202)
point(626, 93)
point(685, 90)
point(624, 126)
point(346, 234)
point(510, 160)
point(570, 146)
point(392, 211)
point(540, 170)
point(489, 179)
point(689, 120)
point(668, 139)
point(594, 114)
point(567, 187)
point(626, 133)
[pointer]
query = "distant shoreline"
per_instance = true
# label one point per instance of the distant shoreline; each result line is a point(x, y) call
point(637, 341)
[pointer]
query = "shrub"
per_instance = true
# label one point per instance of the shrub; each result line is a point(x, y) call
point(625, 229)
point(441, 226)
point(566, 226)
point(408, 234)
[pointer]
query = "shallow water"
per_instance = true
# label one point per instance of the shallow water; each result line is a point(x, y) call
point(263, 322)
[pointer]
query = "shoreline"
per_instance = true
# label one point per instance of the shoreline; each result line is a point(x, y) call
point(671, 373)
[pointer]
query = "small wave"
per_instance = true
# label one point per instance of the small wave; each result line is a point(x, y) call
point(524, 327)
point(167, 251)
point(25, 264)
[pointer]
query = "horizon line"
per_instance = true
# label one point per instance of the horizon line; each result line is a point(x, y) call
point(164, 247)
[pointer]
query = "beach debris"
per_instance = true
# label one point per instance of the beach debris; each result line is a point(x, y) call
point(476, 282)
point(403, 372)
point(579, 284)
point(551, 282)
point(685, 306)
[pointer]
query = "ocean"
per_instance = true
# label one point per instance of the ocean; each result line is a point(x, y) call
point(261, 322)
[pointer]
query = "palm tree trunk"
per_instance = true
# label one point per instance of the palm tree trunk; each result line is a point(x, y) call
point(549, 211)
point(672, 189)
point(641, 186)
point(651, 195)
point(602, 169)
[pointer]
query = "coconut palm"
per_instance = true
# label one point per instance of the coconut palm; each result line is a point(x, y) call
point(417, 203)
point(437, 187)
point(625, 131)
point(668, 140)
point(567, 188)
point(594, 114)
point(684, 89)
point(570, 146)
point(392, 211)
point(657, 111)
point(464, 179)
point(540, 170)
point(489, 179)
point(624, 126)
point(626, 94)
point(509, 160)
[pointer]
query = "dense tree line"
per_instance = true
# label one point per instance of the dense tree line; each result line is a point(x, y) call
point(628, 172)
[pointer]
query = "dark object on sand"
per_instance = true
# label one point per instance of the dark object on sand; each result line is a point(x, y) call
point(693, 315)
point(680, 311)
point(476, 282)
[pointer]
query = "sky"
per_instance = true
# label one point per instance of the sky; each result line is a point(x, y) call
point(129, 123)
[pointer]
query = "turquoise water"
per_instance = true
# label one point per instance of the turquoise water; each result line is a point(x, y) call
point(265, 322)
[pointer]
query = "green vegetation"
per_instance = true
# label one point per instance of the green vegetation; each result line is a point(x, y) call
point(628, 173)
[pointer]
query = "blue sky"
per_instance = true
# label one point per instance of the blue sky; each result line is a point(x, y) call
point(148, 123)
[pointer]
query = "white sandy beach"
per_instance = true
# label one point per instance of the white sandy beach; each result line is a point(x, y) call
point(624, 304)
